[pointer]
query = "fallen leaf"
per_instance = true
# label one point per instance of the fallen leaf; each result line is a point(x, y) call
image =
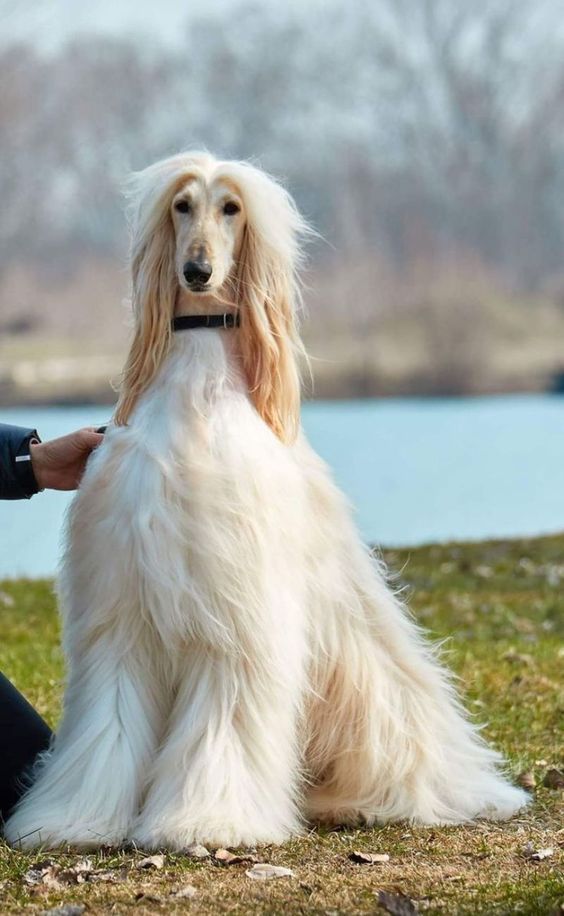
point(197, 852)
point(108, 876)
point(527, 780)
point(48, 875)
point(397, 904)
point(262, 871)
point(77, 874)
point(369, 858)
point(226, 857)
point(156, 862)
point(49, 882)
point(554, 779)
point(188, 891)
point(37, 872)
point(541, 854)
point(537, 855)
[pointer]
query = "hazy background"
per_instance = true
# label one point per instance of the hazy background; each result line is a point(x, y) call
point(423, 138)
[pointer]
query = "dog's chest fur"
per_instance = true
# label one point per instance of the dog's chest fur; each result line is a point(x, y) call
point(201, 499)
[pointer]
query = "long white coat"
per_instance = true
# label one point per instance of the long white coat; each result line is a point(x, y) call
point(237, 662)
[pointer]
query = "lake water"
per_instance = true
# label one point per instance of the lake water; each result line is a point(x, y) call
point(416, 471)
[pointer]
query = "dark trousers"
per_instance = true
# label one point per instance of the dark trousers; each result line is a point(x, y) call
point(23, 735)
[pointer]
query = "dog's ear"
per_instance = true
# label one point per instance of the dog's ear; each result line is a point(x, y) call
point(267, 296)
point(153, 297)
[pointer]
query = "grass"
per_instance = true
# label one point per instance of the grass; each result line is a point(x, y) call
point(502, 605)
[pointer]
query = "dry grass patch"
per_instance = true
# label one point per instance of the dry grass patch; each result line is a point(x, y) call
point(502, 604)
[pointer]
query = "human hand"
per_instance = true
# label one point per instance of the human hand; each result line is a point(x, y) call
point(59, 464)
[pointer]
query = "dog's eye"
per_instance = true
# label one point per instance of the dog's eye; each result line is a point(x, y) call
point(230, 208)
point(182, 206)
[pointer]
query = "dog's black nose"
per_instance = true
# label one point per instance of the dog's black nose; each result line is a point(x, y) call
point(197, 273)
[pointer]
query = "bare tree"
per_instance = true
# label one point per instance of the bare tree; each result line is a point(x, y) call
point(425, 140)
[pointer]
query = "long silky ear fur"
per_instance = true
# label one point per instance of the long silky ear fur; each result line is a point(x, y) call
point(266, 287)
point(153, 297)
point(269, 300)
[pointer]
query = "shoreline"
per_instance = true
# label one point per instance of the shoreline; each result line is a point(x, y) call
point(461, 551)
point(79, 392)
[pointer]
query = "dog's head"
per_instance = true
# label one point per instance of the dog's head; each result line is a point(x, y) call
point(208, 217)
point(215, 236)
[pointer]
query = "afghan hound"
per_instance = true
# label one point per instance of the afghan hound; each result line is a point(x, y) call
point(237, 664)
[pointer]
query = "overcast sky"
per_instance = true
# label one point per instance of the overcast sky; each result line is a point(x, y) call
point(48, 23)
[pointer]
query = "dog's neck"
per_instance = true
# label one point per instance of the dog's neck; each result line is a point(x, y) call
point(202, 304)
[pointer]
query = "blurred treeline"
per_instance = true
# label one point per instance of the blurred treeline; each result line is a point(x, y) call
point(425, 141)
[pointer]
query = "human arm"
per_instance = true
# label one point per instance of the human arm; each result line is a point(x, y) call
point(17, 480)
point(59, 464)
point(28, 465)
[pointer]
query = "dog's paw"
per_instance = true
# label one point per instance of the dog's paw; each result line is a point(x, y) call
point(213, 832)
point(49, 829)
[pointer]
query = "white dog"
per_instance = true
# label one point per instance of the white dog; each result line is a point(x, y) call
point(237, 664)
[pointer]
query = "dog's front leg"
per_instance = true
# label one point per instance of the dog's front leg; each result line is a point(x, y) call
point(87, 787)
point(227, 774)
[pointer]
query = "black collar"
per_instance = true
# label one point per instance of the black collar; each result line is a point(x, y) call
point(185, 322)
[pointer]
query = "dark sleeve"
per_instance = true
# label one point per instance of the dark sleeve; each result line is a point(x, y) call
point(17, 480)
